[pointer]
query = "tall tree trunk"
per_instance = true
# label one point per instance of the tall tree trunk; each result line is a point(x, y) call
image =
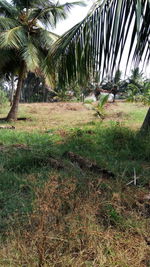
point(146, 124)
point(12, 115)
point(12, 89)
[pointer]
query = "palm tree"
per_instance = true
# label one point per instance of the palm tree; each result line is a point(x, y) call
point(97, 43)
point(117, 77)
point(136, 78)
point(25, 40)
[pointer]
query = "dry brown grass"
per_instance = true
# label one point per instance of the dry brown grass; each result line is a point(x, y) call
point(66, 230)
point(46, 116)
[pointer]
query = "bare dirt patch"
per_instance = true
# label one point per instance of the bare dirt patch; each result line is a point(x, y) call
point(55, 107)
point(47, 116)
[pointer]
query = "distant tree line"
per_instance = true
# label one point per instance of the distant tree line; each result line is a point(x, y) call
point(134, 88)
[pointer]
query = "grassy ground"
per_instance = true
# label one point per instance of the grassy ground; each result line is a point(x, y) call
point(43, 117)
point(55, 212)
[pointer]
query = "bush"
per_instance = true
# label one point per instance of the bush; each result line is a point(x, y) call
point(137, 95)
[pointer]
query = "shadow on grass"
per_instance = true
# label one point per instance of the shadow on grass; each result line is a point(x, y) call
point(24, 164)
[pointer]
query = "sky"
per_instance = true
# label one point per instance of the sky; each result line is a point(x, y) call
point(77, 14)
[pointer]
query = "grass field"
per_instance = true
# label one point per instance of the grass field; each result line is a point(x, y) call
point(59, 212)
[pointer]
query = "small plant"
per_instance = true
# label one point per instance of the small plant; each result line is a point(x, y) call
point(101, 106)
point(110, 216)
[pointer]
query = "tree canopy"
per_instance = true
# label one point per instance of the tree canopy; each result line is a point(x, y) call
point(25, 38)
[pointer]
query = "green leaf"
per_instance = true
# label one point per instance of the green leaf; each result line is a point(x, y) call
point(13, 38)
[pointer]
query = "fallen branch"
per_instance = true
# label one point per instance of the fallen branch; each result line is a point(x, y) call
point(18, 119)
point(87, 164)
point(24, 119)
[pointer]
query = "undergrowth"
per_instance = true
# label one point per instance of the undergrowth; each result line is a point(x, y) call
point(69, 216)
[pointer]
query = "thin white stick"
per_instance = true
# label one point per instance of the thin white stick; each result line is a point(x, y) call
point(135, 178)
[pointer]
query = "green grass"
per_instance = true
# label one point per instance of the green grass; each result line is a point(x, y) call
point(115, 148)
point(74, 217)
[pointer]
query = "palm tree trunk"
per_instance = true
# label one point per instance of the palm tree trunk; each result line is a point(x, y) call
point(12, 115)
point(12, 89)
point(146, 124)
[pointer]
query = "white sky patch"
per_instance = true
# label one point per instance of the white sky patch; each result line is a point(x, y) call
point(77, 14)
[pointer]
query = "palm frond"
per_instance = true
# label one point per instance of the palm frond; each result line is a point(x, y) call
point(102, 101)
point(68, 6)
point(50, 13)
point(27, 4)
point(7, 23)
point(44, 39)
point(98, 42)
point(7, 9)
point(13, 38)
point(30, 55)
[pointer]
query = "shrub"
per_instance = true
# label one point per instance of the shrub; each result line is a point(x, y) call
point(136, 95)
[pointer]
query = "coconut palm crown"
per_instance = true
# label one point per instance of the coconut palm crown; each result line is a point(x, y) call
point(97, 43)
point(25, 39)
